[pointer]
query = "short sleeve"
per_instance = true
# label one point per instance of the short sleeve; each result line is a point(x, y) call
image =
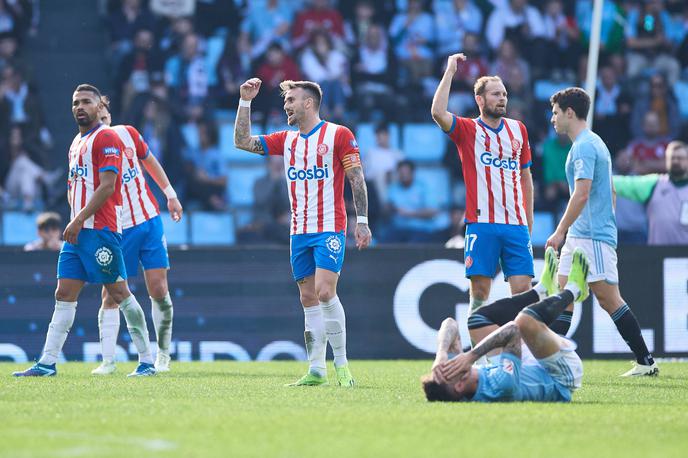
point(273, 144)
point(583, 161)
point(107, 152)
point(526, 153)
point(454, 131)
point(142, 150)
point(346, 148)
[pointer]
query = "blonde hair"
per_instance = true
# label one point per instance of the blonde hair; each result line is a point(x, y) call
point(313, 89)
point(481, 83)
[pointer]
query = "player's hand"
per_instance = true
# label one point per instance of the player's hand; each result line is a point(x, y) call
point(175, 209)
point(453, 62)
point(249, 90)
point(555, 240)
point(363, 236)
point(457, 368)
point(71, 232)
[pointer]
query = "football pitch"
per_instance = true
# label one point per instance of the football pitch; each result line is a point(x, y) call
point(230, 409)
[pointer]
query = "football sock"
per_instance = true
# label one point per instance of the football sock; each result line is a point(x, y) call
point(60, 324)
point(562, 324)
point(316, 341)
point(162, 313)
point(547, 310)
point(136, 324)
point(108, 325)
point(502, 311)
point(335, 327)
point(475, 304)
point(540, 289)
point(628, 327)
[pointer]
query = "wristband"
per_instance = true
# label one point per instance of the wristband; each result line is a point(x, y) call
point(244, 103)
point(170, 192)
point(361, 220)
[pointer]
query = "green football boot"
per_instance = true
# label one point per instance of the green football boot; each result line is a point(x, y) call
point(548, 279)
point(579, 274)
point(344, 377)
point(310, 379)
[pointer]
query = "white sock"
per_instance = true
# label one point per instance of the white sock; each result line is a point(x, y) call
point(541, 290)
point(475, 304)
point(335, 326)
point(108, 325)
point(316, 341)
point(574, 289)
point(162, 312)
point(136, 324)
point(60, 324)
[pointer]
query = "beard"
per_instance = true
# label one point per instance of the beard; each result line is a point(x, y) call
point(677, 173)
point(84, 121)
point(495, 112)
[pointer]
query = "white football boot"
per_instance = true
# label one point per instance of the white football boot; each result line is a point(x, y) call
point(640, 370)
point(162, 362)
point(107, 367)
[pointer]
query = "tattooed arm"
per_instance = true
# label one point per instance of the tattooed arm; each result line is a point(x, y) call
point(507, 337)
point(360, 193)
point(242, 125)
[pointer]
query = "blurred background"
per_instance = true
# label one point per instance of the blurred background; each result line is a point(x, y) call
point(173, 70)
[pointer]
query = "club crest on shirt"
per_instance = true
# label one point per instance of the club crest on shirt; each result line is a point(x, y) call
point(508, 366)
point(322, 149)
point(515, 144)
point(129, 153)
point(333, 244)
point(103, 256)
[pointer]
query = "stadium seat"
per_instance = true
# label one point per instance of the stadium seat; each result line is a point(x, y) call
point(365, 136)
point(681, 91)
point(436, 180)
point(543, 226)
point(240, 185)
point(190, 134)
point(18, 228)
point(176, 233)
point(233, 154)
point(243, 216)
point(543, 89)
point(212, 229)
point(423, 142)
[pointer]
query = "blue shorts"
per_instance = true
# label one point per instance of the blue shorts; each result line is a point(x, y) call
point(488, 245)
point(324, 250)
point(96, 258)
point(145, 243)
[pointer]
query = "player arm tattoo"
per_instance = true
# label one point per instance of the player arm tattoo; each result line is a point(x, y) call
point(359, 190)
point(507, 337)
point(242, 133)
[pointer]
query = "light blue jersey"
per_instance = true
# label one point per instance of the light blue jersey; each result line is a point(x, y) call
point(511, 380)
point(589, 159)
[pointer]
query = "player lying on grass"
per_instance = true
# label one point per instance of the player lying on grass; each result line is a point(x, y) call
point(552, 378)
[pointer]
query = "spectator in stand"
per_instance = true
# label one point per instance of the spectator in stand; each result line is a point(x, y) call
point(646, 152)
point(413, 34)
point(364, 18)
point(649, 43)
point(381, 160)
point(457, 229)
point(329, 67)
point(453, 19)
point(660, 100)
point(266, 23)
point(49, 228)
point(319, 17)
point(187, 73)
point(562, 35)
point(277, 67)
point(555, 188)
point(665, 197)
point(271, 208)
point(8, 20)
point(230, 73)
point(172, 36)
point(206, 171)
point(373, 75)
point(8, 52)
point(461, 98)
point(612, 110)
point(612, 32)
point(509, 65)
point(125, 22)
point(409, 208)
point(137, 67)
point(214, 15)
point(26, 180)
point(518, 21)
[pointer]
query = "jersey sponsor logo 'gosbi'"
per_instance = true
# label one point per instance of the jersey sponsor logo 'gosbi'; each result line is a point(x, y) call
point(129, 175)
point(314, 173)
point(492, 161)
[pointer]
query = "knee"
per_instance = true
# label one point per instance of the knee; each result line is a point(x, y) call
point(325, 293)
point(108, 302)
point(64, 295)
point(308, 299)
point(480, 290)
point(527, 324)
point(158, 290)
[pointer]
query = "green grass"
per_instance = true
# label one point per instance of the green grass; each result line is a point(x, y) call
point(228, 409)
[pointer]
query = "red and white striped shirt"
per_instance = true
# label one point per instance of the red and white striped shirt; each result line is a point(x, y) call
point(96, 151)
point(139, 204)
point(492, 160)
point(314, 166)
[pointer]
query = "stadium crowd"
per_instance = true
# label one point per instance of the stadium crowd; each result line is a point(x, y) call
point(176, 69)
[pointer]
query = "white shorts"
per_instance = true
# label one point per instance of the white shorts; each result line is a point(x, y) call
point(602, 259)
point(565, 366)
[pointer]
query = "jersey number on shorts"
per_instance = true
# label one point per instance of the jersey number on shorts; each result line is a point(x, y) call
point(471, 241)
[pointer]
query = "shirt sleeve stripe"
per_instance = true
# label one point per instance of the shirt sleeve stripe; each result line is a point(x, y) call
point(109, 168)
point(527, 164)
point(451, 129)
point(264, 143)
